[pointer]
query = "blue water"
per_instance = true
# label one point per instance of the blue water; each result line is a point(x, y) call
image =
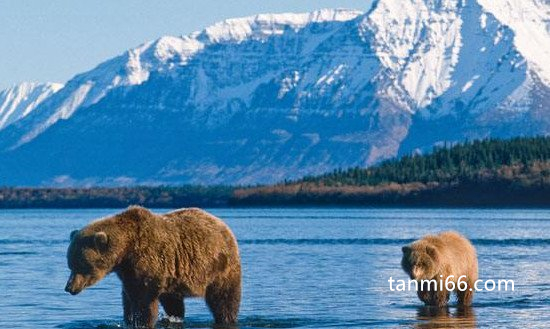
point(303, 268)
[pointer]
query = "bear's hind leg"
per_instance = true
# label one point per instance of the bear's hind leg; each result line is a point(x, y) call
point(173, 306)
point(466, 297)
point(223, 299)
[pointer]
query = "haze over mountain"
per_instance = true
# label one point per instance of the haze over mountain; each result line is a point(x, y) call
point(269, 97)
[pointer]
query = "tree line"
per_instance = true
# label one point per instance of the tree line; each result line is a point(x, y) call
point(445, 163)
point(491, 172)
point(115, 197)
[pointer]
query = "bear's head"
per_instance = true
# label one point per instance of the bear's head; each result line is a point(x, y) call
point(90, 258)
point(420, 261)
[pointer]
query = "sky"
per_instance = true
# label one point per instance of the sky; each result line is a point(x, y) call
point(52, 40)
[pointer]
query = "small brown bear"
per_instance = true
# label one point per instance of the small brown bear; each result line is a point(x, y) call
point(160, 258)
point(435, 258)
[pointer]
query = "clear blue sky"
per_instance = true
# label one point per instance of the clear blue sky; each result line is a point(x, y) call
point(52, 40)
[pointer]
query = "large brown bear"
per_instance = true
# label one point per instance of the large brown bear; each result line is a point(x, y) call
point(437, 257)
point(160, 258)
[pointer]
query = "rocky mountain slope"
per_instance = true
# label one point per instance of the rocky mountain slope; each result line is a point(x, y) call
point(19, 101)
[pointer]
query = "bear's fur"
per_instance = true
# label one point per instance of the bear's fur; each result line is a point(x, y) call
point(436, 257)
point(160, 258)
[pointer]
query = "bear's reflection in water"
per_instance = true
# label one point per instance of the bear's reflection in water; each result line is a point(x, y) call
point(435, 317)
point(200, 323)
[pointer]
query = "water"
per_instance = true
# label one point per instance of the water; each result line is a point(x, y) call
point(303, 268)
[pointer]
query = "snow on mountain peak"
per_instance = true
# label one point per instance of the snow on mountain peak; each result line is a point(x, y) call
point(157, 55)
point(135, 65)
point(20, 100)
point(169, 51)
point(530, 21)
point(420, 42)
point(265, 25)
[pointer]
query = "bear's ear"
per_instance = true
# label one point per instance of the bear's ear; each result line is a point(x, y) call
point(406, 250)
point(432, 252)
point(100, 240)
point(73, 234)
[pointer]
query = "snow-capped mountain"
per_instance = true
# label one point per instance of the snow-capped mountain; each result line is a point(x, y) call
point(269, 97)
point(19, 101)
point(164, 55)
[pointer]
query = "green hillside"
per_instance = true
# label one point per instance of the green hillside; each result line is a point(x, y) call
point(490, 172)
point(445, 164)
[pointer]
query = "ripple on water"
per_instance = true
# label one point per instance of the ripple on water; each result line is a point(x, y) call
point(99, 324)
point(384, 242)
point(252, 322)
point(17, 253)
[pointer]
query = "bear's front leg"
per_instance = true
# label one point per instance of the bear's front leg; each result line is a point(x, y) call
point(144, 313)
point(424, 296)
point(424, 292)
point(173, 305)
point(440, 298)
point(127, 306)
point(431, 296)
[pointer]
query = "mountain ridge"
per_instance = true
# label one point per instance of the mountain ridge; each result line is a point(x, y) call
point(304, 94)
point(134, 66)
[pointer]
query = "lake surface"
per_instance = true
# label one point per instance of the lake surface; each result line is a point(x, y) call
point(302, 268)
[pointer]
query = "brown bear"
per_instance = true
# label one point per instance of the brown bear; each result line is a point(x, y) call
point(160, 258)
point(435, 258)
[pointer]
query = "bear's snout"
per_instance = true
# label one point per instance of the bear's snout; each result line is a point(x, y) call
point(75, 284)
point(417, 272)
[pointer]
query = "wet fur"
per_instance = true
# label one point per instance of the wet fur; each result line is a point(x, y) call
point(448, 253)
point(160, 258)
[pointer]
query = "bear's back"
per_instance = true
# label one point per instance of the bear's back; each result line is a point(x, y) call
point(455, 241)
point(202, 226)
point(194, 217)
